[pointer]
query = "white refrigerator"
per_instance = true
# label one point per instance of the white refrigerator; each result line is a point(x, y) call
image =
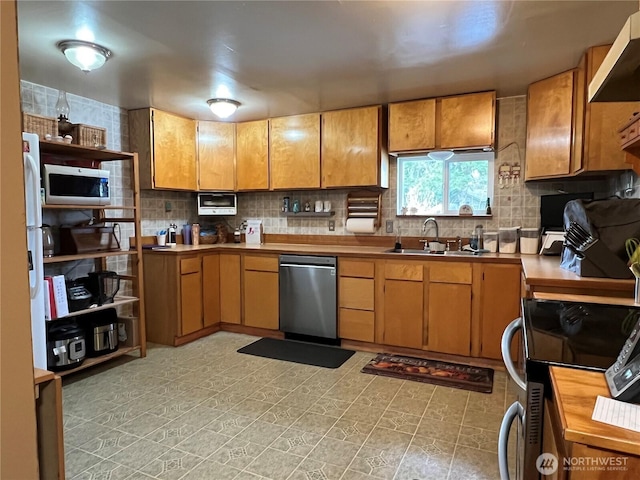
point(31, 158)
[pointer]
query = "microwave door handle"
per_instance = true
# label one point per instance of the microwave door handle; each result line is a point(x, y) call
point(505, 347)
point(516, 410)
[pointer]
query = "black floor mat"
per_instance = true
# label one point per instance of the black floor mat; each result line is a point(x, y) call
point(298, 352)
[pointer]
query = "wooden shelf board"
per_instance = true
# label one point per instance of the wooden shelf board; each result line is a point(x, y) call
point(120, 300)
point(76, 152)
point(88, 207)
point(87, 256)
point(308, 214)
point(91, 361)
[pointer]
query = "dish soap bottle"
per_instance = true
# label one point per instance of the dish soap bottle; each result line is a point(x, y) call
point(171, 237)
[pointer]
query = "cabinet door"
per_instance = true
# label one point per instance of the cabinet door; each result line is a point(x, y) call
point(403, 313)
point(174, 152)
point(468, 121)
point(294, 151)
point(602, 120)
point(191, 302)
point(261, 300)
point(500, 304)
point(351, 147)
point(252, 155)
point(211, 289)
point(216, 155)
point(412, 125)
point(449, 319)
point(230, 288)
point(550, 116)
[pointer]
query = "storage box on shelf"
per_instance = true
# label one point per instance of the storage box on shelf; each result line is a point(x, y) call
point(39, 125)
point(56, 152)
point(88, 135)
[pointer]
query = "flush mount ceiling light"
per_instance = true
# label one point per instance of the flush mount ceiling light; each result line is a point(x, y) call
point(223, 107)
point(86, 56)
point(440, 155)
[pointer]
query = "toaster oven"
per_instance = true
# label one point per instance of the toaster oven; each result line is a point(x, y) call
point(211, 203)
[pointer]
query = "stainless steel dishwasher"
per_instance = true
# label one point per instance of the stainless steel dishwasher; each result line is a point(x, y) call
point(308, 291)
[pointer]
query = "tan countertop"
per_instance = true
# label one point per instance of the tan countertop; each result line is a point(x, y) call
point(575, 392)
point(343, 250)
point(545, 271)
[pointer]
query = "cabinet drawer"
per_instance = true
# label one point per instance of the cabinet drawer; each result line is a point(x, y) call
point(261, 264)
point(450, 272)
point(356, 325)
point(356, 268)
point(356, 293)
point(189, 265)
point(403, 271)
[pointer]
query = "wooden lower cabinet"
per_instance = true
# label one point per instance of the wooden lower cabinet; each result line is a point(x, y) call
point(499, 305)
point(190, 302)
point(449, 318)
point(230, 294)
point(211, 289)
point(356, 300)
point(403, 313)
point(260, 294)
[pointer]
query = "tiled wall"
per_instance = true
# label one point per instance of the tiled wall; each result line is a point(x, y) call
point(513, 205)
point(41, 100)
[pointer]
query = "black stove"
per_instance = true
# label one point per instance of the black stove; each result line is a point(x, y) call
point(578, 335)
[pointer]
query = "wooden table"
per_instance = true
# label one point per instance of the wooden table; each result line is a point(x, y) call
point(574, 397)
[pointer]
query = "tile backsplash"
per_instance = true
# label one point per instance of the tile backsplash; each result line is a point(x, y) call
point(511, 206)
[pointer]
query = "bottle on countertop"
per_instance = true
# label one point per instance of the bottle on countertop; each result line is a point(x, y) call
point(195, 234)
point(236, 235)
point(488, 206)
point(171, 236)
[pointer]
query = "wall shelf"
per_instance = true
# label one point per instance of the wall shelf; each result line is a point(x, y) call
point(308, 214)
point(87, 207)
point(91, 361)
point(86, 256)
point(119, 300)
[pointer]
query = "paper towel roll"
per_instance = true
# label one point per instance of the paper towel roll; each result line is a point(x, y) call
point(361, 225)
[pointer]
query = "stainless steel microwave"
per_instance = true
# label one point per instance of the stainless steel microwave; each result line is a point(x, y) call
point(64, 185)
point(211, 203)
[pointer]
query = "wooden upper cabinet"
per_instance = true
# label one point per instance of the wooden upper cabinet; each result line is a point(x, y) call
point(294, 151)
point(252, 155)
point(166, 147)
point(550, 123)
point(467, 121)
point(216, 155)
point(412, 126)
point(353, 154)
point(602, 120)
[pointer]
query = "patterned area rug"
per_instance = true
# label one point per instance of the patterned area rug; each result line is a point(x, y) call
point(452, 375)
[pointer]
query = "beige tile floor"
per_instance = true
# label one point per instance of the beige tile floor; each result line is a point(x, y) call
point(205, 412)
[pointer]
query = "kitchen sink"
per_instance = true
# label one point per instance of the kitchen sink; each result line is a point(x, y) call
point(416, 251)
point(412, 251)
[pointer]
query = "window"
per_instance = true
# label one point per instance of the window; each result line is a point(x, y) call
point(431, 186)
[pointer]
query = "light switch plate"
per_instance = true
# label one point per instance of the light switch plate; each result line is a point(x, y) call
point(389, 226)
point(332, 225)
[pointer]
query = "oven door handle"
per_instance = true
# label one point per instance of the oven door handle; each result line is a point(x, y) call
point(505, 346)
point(516, 410)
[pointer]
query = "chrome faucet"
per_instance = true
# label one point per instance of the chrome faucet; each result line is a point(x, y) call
point(426, 222)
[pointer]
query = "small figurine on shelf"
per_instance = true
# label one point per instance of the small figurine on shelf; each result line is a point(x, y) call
point(296, 206)
point(307, 206)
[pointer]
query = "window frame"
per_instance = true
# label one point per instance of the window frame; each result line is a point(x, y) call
point(456, 158)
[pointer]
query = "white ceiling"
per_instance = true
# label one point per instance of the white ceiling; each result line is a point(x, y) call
point(282, 58)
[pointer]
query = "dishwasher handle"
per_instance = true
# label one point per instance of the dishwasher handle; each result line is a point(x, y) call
point(295, 265)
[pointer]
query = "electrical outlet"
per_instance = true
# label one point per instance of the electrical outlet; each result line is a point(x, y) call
point(332, 225)
point(389, 226)
point(167, 206)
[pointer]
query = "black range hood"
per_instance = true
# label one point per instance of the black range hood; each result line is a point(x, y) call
point(618, 78)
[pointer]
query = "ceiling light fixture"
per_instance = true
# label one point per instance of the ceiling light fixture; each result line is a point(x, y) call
point(86, 56)
point(441, 155)
point(223, 107)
